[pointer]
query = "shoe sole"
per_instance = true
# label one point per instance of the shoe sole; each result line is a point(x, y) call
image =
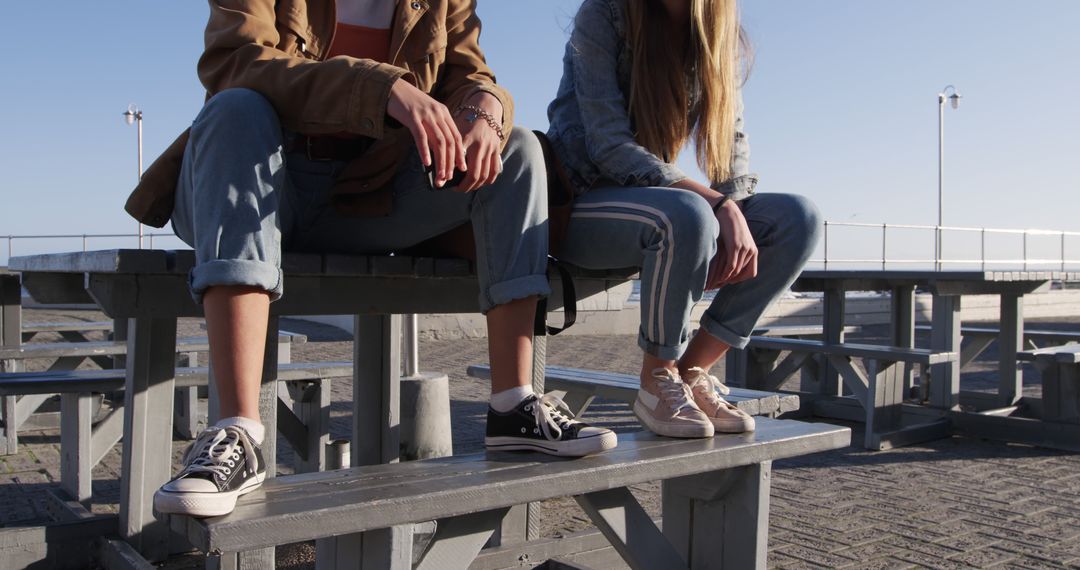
point(733, 426)
point(573, 448)
point(202, 504)
point(680, 430)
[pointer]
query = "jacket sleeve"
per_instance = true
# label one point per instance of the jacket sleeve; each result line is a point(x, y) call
point(466, 71)
point(609, 140)
point(338, 95)
point(742, 182)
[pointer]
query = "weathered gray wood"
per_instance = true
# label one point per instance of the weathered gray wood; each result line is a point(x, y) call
point(1010, 341)
point(119, 555)
point(948, 282)
point(102, 381)
point(853, 378)
point(58, 546)
point(833, 305)
point(65, 326)
point(1060, 382)
point(914, 355)
point(106, 434)
point(630, 529)
point(623, 388)
point(91, 348)
point(732, 504)
point(588, 546)
point(376, 396)
point(458, 540)
point(148, 410)
point(10, 339)
point(76, 445)
point(1055, 435)
point(945, 337)
point(902, 313)
point(302, 507)
point(886, 395)
point(767, 374)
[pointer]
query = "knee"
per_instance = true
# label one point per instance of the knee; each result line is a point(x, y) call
point(237, 110)
point(523, 150)
point(693, 223)
point(807, 218)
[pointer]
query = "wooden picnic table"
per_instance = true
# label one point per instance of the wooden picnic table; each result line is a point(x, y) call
point(947, 288)
point(1002, 418)
point(150, 289)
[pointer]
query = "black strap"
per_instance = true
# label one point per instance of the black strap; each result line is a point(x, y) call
point(569, 296)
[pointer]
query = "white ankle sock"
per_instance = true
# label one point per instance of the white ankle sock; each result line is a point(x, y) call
point(509, 399)
point(254, 428)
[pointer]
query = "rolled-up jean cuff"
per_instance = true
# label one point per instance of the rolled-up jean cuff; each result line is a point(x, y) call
point(724, 334)
point(261, 274)
point(661, 351)
point(519, 288)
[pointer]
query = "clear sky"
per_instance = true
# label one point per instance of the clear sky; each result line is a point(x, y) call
point(841, 104)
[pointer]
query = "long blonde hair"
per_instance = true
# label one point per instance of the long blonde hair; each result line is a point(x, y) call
point(714, 62)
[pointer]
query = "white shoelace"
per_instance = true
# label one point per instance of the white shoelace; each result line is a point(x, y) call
point(673, 391)
point(216, 451)
point(713, 381)
point(548, 414)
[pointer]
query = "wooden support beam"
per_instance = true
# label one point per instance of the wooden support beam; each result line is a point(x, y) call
point(630, 529)
point(458, 540)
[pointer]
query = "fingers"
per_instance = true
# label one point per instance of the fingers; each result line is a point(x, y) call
point(496, 166)
point(421, 139)
point(471, 182)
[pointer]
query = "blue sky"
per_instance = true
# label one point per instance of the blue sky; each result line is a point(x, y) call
point(841, 104)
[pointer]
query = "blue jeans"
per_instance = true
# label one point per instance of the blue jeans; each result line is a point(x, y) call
point(241, 200)
point(670, 235)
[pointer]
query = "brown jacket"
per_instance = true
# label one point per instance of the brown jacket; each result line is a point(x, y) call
point(277, 48)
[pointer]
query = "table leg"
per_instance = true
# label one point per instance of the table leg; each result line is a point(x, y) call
point(945, 336)
point(375, 439)
point(902, 309)
point(10, 336)
point(833, 331)
point(720, 519)
point(148, 414)
point(1010, 341)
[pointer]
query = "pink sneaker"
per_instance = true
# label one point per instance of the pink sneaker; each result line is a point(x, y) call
point(726, 418)
point(672, 413)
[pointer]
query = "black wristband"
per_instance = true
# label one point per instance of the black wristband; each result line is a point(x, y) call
point(720, 204)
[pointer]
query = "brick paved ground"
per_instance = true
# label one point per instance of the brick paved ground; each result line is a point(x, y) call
point(955, 503)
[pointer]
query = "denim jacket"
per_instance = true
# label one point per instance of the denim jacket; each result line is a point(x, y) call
point(590, 126)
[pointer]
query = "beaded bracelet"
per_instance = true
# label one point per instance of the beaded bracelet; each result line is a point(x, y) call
point(477, 112)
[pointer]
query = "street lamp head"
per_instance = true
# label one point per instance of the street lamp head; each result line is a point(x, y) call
point(954, 98)
point(132, 114)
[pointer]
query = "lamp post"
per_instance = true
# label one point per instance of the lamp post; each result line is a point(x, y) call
point(953, 96)
point(134, 115)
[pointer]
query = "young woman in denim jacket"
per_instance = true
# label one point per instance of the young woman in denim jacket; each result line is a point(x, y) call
point(641, 79)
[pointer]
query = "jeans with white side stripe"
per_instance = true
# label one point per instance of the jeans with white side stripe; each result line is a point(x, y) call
point(670, 235)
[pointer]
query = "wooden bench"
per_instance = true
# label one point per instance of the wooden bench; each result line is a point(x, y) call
point(149, 290)
point(879, 391)
point(740, 364)
point(1060, 369)
point(715, 502)
point(73, 331)
point(583, 386)
point(303, 413)
point(977, 339)
point(17, 408)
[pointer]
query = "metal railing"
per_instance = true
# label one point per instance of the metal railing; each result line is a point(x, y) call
point(140, 240)
point(1060, 261)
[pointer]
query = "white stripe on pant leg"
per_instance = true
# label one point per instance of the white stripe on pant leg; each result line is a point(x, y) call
point(667, 246)
point(669, 233)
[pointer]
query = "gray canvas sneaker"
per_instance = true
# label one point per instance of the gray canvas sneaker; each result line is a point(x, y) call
point(673, 413)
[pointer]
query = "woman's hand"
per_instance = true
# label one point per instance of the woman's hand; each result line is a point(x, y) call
point(482, 143)
point(437, 137)
point(737, 255)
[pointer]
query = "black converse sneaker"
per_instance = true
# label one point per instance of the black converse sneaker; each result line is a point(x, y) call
point(222, 464)
point(546, 425)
